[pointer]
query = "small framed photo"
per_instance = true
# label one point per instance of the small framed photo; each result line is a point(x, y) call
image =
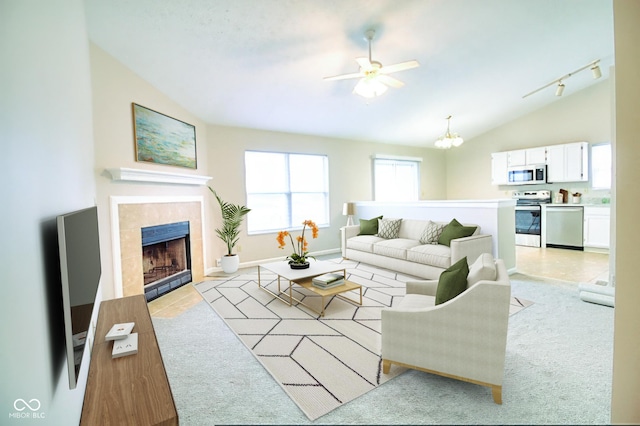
point(161, 139)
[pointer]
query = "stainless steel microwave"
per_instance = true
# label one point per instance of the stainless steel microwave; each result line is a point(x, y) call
point(527, 175)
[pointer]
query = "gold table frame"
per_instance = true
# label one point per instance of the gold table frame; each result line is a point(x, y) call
point(303, 278)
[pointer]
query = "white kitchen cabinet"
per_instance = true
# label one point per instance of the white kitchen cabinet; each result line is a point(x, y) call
point(527, 157)
point(536, 156)
point(597, 220)
point(568, 162)
point(499, 167)
point(516, 158)
point(555, 163)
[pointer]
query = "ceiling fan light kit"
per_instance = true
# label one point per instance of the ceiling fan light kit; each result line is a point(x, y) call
point(595, 72)
point(374, 78)
point(369, 88)
point(449, 139)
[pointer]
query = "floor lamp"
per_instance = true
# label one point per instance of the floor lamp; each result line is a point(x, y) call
point(349, 209)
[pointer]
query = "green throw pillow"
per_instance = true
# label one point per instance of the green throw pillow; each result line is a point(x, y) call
point(453, 281)
point(369, 226)
point(455, 230)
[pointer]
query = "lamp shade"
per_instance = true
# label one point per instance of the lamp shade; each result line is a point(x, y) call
point(349, 209)
point(369, 87)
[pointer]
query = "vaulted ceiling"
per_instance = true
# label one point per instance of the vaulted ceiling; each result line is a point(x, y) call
point(260, 63)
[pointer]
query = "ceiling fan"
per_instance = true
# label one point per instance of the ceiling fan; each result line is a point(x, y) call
point(374, 78)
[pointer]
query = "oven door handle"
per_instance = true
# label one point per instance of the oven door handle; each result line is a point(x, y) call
point(528, 208)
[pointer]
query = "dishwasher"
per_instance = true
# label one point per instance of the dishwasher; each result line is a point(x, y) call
point(564, 227)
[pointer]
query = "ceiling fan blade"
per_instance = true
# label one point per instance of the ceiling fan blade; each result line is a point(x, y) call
point(364, 63)
point(390, 81)
point(399, 67)
point(343, 76)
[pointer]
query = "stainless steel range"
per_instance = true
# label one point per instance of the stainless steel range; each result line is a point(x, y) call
point(528, 216)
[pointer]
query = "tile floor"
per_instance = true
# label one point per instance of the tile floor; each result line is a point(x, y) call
point(567, 265)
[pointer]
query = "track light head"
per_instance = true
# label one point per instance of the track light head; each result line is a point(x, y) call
point(560, 88)
point(595, 70)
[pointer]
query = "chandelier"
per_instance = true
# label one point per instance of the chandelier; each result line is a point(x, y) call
point(449, 139)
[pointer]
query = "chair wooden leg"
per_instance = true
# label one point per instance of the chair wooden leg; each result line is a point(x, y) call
point(386, 366)
point(496, 391)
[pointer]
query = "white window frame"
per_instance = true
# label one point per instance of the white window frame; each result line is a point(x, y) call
point(288, 222)
point(598, 181)
point(414, 186)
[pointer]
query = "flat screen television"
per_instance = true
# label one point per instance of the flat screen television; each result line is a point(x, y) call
point(80, 270)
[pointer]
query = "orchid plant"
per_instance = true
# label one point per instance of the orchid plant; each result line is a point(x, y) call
point(301, 245)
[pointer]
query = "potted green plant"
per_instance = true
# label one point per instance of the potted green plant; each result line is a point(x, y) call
point(232, 215)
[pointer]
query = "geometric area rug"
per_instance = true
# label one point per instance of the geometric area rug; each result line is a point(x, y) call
point(320, 362)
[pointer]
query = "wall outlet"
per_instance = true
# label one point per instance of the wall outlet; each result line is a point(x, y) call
point(217, 262)
point(238, 248)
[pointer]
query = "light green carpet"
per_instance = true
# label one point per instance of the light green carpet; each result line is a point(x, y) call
point(558, 370)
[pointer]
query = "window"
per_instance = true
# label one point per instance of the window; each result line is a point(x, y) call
point(601, 166)
point(396, 178)
point(285, 189)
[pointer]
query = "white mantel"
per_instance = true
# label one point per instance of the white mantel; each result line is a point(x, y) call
point(143, 175)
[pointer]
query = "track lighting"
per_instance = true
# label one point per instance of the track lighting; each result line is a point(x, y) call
point(595, 71)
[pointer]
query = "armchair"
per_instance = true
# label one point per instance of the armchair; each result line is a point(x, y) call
point(464, 338)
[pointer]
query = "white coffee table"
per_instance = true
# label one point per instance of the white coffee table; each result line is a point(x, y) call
point(304, 277)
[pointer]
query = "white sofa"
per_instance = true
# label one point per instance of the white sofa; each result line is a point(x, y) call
point(463, 338)
point(407, 254)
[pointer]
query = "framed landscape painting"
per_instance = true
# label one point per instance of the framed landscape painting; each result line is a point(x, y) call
point(162, 139)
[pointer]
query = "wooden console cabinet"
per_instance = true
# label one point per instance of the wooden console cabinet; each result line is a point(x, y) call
point(134, 389)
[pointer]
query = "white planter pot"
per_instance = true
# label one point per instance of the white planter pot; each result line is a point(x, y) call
point(230, 264)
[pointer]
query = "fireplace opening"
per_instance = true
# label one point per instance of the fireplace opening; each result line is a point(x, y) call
point(166, 258)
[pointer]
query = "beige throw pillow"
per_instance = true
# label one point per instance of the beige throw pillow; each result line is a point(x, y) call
point(389, 228)
point(431, 233)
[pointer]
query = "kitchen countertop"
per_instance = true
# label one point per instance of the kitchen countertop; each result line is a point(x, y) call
point(576, 205)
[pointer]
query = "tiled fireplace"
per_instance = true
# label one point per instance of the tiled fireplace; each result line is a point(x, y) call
point(130, 215)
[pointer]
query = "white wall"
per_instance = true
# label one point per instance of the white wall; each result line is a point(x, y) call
point(47, 166)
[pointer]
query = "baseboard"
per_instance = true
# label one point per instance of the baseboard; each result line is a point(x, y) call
point(596, 250)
